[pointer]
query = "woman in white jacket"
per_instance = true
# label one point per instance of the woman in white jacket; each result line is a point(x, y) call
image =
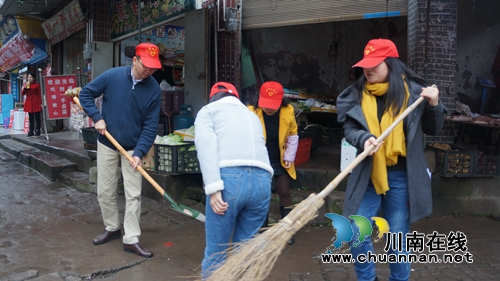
point(236, 172)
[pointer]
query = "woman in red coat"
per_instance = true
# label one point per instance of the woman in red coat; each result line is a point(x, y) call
point(33, 104)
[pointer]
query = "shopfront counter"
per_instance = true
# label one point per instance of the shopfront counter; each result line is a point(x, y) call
point(489, 132)
point(325, 118)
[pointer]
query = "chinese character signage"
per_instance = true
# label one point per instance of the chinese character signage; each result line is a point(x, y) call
point(169, 39)
point(66, 22)
point(8, 29)
point(125, 14)
point(13, 86)
point(58, 104)
point(15, 51)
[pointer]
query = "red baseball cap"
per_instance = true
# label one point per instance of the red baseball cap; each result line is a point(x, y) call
point(376, 51)
point(271, 95)
point(221, 87)
point(149, 55)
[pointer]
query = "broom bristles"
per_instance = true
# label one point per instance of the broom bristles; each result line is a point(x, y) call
point(255, 258)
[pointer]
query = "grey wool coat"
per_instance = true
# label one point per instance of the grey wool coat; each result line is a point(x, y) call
point(423, 119)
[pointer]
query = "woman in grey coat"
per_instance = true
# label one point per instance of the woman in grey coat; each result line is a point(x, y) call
point(394, 179)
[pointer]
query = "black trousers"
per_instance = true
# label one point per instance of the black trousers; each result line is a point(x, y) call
point(34, 117)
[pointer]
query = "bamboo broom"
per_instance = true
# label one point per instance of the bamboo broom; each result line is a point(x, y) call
point(254, 258)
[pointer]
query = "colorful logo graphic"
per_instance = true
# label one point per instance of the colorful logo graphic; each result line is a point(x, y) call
point(152, 51)
point(369, 49)
point(345, 229)
point(270, 91)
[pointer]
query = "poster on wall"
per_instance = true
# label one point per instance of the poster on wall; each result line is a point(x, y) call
point(58, 104)
point(125, 14)
point(17, 50)
point(169, 39)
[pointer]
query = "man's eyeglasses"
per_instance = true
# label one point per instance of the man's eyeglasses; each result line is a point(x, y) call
point(145, 67)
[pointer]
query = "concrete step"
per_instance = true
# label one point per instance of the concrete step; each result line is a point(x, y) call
point(70, 149)
point(47, 164)
point(78, 180)
point(6, 157)
point(177, 187)
point(322, 167)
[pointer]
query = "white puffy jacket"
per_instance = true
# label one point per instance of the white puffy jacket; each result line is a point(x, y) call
point(227, 134)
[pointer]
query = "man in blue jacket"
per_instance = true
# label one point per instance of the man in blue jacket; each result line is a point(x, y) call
point(130, 113)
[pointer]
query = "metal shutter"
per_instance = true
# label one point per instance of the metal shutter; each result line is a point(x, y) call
point(274, 13)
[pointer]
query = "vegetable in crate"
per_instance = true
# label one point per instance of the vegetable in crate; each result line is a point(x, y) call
point(171, 139)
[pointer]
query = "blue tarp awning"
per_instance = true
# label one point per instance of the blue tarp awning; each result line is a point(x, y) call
point(38, 56)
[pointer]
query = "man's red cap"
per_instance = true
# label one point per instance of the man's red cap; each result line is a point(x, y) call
point(376, 51)
point(221, 87)
point(271, 95)
point(148, 53)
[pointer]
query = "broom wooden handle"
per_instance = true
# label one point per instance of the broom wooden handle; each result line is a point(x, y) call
point(335, 182)
point(129, 158)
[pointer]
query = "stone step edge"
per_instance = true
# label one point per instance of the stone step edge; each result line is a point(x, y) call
point(6, 157)
point(79, 181)
point(82, 160)
point(47, 164)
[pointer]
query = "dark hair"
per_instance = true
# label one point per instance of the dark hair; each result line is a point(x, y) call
point(393, 98)
point(220, 95)
point(32, 75)
point(129, 51)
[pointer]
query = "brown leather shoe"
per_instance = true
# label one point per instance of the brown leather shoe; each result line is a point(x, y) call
point(137, 249)
point(107, 236)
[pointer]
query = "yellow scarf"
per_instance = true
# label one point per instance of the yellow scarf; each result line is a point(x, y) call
point(394, 145)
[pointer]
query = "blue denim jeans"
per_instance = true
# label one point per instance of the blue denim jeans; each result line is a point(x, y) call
point(395, 208)
point(247, 191)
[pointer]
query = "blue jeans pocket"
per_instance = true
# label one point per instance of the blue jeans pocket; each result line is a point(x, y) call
point(232, 185)
point(265, 185)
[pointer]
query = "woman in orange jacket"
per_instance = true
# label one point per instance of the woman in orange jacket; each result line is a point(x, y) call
point(277, 117)
point(33, 104)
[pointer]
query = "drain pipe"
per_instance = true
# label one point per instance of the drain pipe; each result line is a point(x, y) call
point(426, 51)
point(216, 18)
point(426, 41)
point(140, 20)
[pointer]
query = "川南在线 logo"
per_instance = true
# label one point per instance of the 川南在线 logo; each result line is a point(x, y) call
point(345, 230)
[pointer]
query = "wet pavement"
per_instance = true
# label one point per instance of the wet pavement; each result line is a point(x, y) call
point(46, 232)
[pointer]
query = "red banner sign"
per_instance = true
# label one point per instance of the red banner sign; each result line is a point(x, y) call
point(15, 51)
point(66, 22)
point(58, 104)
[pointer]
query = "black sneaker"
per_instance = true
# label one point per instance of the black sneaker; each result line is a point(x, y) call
point(37, 133)
point(30, 134)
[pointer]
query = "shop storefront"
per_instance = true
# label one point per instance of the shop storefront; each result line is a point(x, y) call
point(66, 34)
point(309, 47)
point(23, 50)
point(180, 31)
